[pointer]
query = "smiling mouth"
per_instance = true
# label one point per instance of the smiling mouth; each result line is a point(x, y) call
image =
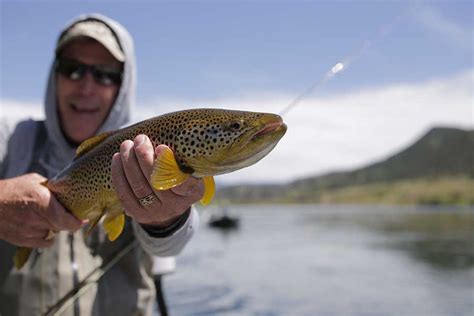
point(77, 109)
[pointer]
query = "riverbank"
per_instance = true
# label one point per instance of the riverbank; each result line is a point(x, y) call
point(422, 191)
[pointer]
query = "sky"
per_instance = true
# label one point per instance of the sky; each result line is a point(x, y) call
point(408, 66)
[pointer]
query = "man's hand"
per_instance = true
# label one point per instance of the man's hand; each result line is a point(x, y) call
point(131, 171)
point(28, 211)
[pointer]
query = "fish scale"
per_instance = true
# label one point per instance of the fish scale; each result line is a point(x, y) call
point(202, 143)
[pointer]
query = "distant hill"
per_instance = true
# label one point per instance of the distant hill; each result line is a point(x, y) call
point(443, 154)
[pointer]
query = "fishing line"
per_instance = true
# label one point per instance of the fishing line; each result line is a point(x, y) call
point(342, 65)
point(90, 280)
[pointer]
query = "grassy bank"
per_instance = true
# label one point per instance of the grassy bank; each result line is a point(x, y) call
point(432, 191)
point(419, 191)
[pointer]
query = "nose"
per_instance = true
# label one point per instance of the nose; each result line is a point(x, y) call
point(87, 84)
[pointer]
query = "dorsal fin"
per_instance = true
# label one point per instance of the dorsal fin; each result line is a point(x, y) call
point(91, 143)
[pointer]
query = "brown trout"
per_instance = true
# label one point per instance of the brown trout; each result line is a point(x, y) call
point(202, 143)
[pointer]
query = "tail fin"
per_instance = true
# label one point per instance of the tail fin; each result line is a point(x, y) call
point(21, 256)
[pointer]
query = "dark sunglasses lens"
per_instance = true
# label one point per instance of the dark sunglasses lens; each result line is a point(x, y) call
point(70, 69)
point(107, 77)
point(75, 70)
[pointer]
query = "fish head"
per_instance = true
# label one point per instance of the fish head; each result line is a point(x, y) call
point(221, 141)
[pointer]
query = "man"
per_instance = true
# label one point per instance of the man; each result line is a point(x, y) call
point(91, 89)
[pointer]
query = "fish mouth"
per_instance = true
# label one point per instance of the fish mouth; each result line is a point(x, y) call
point(269, 128)
point(258, 143)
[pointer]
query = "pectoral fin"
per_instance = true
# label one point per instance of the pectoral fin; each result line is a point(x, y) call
point(21, 256)
point(166, 172)
point(113, 225)
point(209, 190)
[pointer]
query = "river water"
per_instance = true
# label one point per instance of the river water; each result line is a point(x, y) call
point(329, 260)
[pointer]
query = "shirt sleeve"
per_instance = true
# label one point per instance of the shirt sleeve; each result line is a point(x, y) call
point(5, 132)
point(171, 245)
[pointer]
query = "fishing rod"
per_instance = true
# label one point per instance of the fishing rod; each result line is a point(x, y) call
point(91, 279)
point(342, 65)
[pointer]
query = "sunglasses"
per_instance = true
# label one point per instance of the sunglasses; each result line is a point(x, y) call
point(74, 70)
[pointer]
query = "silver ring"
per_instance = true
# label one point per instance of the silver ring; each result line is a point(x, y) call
point(147, 200)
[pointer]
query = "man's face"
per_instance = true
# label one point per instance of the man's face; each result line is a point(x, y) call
point(84, 104)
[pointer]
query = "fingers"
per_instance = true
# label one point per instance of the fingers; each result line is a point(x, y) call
point(122, 187)
point(36, 177)
point(145, 155)
point(131, 172)
point(131, 165)
point(28, 210)
point(183, 195)
point(131, 175)
point(34, 242)
point(57, 216)
point(35, 233)
point(126, 194)
point(175, 204)
point(26, 233)
point(192, 187)
point(37, 240)
point(37, 225)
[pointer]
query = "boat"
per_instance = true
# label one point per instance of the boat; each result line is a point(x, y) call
point(223, 220)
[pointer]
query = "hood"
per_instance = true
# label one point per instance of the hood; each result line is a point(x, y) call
point(119, 115)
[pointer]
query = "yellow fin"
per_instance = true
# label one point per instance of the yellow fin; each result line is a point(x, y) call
point(209, 190)
point(113, 225)
point(21, 256)
point(166, 173)
point(90, 143)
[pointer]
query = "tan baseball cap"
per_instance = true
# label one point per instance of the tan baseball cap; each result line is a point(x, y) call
point(95, 30)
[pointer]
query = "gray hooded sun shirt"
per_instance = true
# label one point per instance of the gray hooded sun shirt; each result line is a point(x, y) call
point(127, 288)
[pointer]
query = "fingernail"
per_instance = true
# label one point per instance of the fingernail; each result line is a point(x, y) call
point(126, 146)
point(160, 149)
point(140, 139)
point(84, 222)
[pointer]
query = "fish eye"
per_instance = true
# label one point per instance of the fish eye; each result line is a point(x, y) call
point(236, 126)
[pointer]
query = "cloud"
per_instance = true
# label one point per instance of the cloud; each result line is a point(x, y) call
point(14, 111)
point(434, 20)
point(348, 130)
point(332, 133)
